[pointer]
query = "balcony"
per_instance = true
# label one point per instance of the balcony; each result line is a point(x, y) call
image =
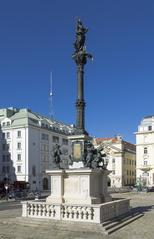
point(145, 168)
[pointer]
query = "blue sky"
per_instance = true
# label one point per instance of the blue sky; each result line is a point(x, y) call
point(36, 37)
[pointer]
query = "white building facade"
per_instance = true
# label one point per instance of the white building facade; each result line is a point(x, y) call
point(26, 146)
point(145, 152)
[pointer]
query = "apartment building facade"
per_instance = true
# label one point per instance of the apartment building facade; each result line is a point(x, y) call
point(26, 146)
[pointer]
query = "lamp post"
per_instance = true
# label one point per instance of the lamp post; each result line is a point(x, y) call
point(6, 191)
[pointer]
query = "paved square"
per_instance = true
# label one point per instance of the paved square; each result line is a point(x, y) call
point(142, 228)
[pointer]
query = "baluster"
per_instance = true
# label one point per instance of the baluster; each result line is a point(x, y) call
point(80, 213)
point(71, 212)
point(39, 210)
point(34, 209)
point(31, 209)
point(65, 213)
point(48, 211)
point(62, 211)
point(53, 211)
point(75, 212)
point(84, 213)
point(43, 210)
point(28, 208)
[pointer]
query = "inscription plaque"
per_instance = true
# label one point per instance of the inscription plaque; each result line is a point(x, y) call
point(77, 151)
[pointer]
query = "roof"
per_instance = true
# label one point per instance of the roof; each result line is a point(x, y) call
point(20, 117)
point(109, 140)
point(149, 116)
point(114, 140)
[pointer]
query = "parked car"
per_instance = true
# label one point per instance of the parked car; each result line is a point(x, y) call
point(2, 194)
point(11, 195)
point(151, 189)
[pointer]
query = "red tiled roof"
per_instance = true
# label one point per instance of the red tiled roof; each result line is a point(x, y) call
point(126, 144)
point(112, 140)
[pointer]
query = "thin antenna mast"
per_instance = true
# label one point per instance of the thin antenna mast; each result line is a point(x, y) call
point(51, 97)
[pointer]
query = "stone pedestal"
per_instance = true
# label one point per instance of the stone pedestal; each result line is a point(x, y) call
point(78, 186)
point(57, 188)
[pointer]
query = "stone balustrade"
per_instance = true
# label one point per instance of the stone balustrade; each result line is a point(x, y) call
point(83, 213)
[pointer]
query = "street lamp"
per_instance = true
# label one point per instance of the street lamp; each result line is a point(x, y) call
point(6, 189)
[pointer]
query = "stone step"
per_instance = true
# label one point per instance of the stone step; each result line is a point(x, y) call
point(124, 216)
point(117, 224)
point(57, 225)
point(105, 228)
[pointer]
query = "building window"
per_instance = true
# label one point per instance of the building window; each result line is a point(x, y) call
point(45, 147)
point(18, 145)
point(19, 134)
point(45, 137)
point(145, 162)
point(34, 171)
point(7, 157)
point(8, 135)
point(113, 160)
point(149, 127)
point(145, 150)
point(55, 139)
point(19, 169)
point(3, 146)
point(3, 135)
point(113, 171)
point(65, 141)
point(3, 169)
point(3, 157)
point(19, 157)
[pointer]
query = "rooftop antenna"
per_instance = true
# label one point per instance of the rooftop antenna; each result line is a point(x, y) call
point(51, 98)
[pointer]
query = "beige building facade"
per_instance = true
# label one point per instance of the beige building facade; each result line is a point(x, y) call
point(121, 157)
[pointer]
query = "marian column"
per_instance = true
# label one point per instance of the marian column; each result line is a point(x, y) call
point(80, 56)
point(80, 138)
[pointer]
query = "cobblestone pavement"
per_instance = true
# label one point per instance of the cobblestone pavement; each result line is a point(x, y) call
point(143, 228)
